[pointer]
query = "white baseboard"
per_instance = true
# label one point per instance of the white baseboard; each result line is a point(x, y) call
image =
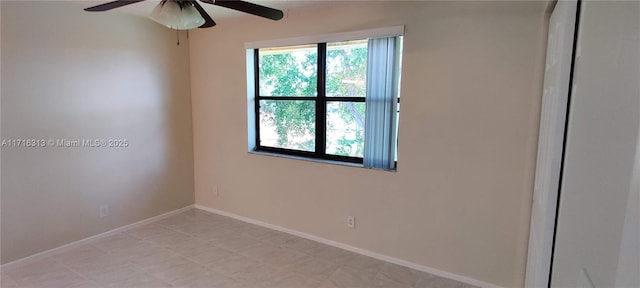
point(66, 247)
point(378, 256)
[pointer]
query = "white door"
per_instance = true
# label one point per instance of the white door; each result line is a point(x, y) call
point(596, 241)
point(550, 142)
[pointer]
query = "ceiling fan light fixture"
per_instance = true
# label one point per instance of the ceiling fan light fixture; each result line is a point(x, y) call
point(177, 15)
point(191, 17)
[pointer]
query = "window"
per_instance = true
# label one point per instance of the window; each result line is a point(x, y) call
point(317, 100)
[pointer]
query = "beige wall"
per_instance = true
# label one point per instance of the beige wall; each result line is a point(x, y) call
point(69, 74)
point(471, 91)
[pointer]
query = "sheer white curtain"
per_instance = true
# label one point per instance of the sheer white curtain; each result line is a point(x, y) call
point(381, 103)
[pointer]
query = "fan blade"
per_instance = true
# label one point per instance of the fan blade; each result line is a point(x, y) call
point(208, 22)
point(255, 9)
point(111, 5)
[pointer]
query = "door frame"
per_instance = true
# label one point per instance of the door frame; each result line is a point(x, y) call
point(561, 52)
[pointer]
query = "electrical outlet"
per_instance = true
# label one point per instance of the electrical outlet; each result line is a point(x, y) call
point(216, 191)
point(351, 222)
point(104, 211)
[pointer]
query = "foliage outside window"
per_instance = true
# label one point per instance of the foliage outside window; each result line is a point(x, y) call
point(310, 100)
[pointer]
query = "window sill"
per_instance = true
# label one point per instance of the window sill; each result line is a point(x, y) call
point(324, 161)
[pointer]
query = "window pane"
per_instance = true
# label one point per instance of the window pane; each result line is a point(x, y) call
point(288, 124)
point(288, 71)
point(345, 128)
point(347, 69)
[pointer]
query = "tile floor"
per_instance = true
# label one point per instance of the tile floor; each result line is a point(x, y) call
point(201, 249)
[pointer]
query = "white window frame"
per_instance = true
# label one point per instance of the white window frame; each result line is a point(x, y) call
point(296, 41)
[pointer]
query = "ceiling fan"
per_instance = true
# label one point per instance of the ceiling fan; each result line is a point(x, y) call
point(188, 14)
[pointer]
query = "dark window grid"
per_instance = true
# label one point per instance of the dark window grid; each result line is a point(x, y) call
point(312, 98)
point(321, 107)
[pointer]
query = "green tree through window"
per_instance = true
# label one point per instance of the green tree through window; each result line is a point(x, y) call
point(288, 79)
